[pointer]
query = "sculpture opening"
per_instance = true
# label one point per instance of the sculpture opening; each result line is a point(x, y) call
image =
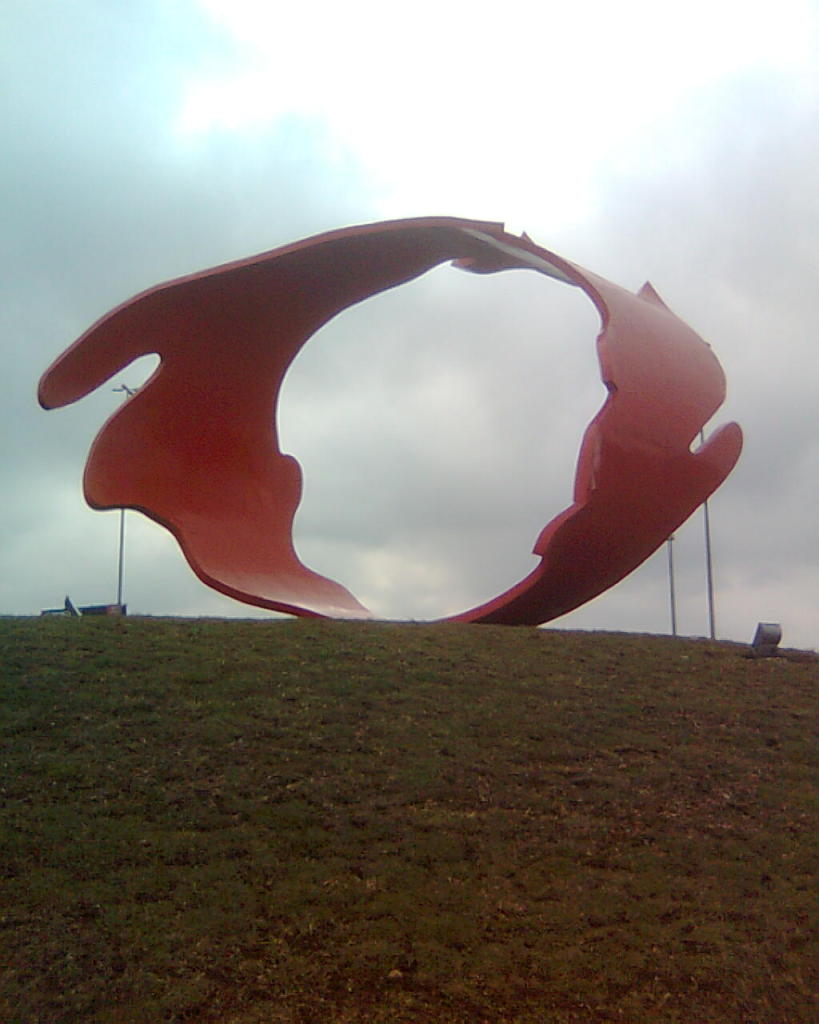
point(431, 424)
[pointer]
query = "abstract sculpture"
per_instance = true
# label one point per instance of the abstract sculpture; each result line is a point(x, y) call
point(196, 448)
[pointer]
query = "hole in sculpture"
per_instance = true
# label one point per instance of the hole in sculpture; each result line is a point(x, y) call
point(438, 426)
point(135, 375)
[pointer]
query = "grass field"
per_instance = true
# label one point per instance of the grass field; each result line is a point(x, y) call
point(301, 822)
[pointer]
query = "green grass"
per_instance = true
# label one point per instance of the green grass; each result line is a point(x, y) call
point(298, 822)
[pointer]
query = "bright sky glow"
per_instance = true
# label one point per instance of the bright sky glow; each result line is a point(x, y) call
point(453, 100)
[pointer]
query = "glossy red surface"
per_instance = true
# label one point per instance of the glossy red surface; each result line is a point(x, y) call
point(196, 448)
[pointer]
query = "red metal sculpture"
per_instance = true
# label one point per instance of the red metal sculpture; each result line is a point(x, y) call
point(196, 448)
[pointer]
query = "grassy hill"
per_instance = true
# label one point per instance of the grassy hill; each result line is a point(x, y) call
point(301, 822)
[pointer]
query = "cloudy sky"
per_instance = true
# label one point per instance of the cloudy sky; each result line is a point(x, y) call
point(437, 425)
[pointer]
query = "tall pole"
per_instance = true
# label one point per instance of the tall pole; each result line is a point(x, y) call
point(121, 560)
point(672, 594)
point(709, 567)
point(121, 555)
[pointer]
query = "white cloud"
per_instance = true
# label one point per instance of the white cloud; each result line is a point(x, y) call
point(492, 113)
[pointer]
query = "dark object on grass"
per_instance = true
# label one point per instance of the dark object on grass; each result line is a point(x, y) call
point(766, 640)
point(69, 608)
point(104, 609)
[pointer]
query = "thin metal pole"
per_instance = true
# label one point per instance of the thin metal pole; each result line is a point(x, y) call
point(121, 555)
point(709, 567)
point(121, 560)
point(671, 585)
